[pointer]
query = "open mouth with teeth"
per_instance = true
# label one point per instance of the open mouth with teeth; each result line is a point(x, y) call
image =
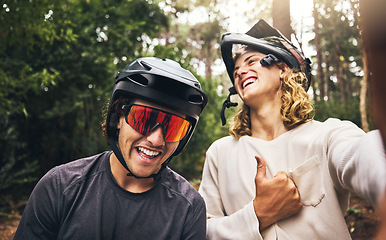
point(248, 82)
point(148, 153)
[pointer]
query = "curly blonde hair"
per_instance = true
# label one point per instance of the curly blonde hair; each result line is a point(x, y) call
point(296, 107)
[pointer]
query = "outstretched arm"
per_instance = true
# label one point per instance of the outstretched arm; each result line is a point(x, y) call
point(357, 161)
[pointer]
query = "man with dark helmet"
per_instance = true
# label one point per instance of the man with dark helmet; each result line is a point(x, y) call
point(281, 174)
point(128, 193)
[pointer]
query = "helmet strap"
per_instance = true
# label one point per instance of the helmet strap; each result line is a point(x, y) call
point(227, 104)
point(290, 48)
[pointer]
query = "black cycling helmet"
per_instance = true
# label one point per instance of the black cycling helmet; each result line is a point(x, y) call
point(268, 40)
point(163, 82)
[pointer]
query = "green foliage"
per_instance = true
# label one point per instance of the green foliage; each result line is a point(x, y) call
point(17, 172)
point(58, 62)
point(335, 109)
point(354, 211)
point(340, 48)
point(191, 160)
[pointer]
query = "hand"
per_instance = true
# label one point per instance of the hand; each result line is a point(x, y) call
point(276, 198)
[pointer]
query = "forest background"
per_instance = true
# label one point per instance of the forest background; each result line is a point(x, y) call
point(58, 60)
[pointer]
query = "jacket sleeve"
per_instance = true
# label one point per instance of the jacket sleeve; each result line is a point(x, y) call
point(357, 161)
point(242, 224)
point(40, 217)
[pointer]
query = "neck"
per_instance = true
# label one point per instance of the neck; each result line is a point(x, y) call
point(129, 183)
point(267, 122)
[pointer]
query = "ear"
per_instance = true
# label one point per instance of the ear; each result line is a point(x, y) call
point(120, 122)
point(283, 70)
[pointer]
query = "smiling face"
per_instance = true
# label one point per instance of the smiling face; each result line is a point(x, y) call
point(144, 155)
point(255, 83)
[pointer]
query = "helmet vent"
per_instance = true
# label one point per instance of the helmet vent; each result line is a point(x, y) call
point(139, 79)
point(196, 99)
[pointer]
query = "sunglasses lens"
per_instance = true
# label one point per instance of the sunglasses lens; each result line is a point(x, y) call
point(143, 119)
point(177, 129)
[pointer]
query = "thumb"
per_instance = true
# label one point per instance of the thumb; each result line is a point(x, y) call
point(261, 168)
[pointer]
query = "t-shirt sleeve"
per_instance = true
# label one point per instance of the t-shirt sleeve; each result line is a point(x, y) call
point(40, 219)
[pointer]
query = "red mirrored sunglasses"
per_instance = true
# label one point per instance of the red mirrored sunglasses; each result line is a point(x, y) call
point(145, 119)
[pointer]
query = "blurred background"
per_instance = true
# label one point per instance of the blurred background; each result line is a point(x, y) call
point(58, 60)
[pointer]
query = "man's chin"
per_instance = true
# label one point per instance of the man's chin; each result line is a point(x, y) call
point(145, 174)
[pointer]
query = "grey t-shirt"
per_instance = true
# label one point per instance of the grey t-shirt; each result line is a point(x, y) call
point(81, 200)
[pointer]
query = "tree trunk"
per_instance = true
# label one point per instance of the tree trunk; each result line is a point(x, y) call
point(281, 17)
point(339, 69)
point(327, 79)
point(374, 38)
point(348, 84)
point(363, 96)
point(319, 55)
point(208, 59)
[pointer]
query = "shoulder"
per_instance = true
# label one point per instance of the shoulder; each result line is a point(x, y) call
point(223, 143)
point(337, 128)
point(178, 187)
point(226, 140)
point(329, 126)
point(221, 149)
point(333, 123)
point(77, 170)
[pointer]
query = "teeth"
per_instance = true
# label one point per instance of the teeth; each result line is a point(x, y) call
point(248, 82)
point(148, 152)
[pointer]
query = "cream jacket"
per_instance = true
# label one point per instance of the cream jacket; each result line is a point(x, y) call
point(326, 160)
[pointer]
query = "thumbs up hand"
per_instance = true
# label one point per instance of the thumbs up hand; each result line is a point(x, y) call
point(276, 198)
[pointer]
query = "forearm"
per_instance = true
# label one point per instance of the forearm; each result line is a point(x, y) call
point(242, 224)
point(266, 218)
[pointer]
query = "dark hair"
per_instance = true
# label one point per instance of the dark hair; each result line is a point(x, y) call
point(117, 112)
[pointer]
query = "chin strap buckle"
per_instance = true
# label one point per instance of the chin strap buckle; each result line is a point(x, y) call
point(227, 104)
